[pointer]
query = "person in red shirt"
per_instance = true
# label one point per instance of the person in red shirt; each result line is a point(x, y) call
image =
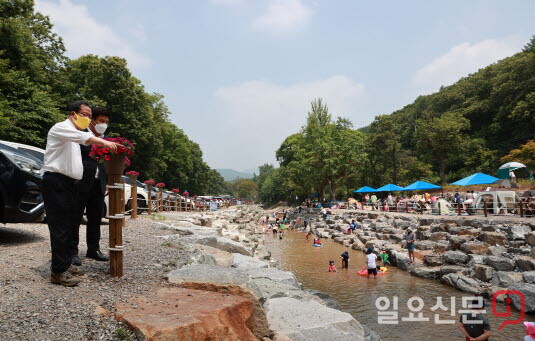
point(332, 267)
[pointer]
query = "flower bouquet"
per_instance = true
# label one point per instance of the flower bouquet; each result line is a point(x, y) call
point(114, 162)
point(132, 173)
point(160, 185)
point(175, 190)
point(149, 183)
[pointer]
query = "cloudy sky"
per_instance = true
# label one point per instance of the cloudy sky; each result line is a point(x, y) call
point(239, 75)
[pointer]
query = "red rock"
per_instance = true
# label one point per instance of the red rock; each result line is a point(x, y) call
point(186, 314)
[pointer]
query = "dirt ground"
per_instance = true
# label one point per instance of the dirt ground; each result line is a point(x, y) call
point(31, 308)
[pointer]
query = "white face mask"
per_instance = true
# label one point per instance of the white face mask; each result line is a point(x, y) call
point(101, 128)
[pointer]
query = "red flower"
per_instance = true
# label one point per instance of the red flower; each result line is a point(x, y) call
point(107, 157)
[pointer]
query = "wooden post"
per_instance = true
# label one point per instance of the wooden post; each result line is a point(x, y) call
point(169, 203)
point(520, 208)
point(117, 203)
point(149, 204)
point(133, 196)
point(485, 208)
point(160, 200)
point(458, 208)
point(175, 208)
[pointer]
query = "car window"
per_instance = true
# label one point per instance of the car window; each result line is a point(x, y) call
point(33, 153)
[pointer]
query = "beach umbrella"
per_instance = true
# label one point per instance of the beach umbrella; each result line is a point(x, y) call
point(420, 185)
point(505, 183)
point(365, 189)
point(476, 179)
point(389, 188)
point(506, 168)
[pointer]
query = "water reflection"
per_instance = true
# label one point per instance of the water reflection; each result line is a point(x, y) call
point(357, 294)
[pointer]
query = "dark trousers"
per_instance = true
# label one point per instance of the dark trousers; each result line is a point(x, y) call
point(345, 264)
point(92, 203)
point(60, 194)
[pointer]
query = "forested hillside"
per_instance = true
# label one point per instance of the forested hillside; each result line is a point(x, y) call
point(37, 82)
point(462, 129)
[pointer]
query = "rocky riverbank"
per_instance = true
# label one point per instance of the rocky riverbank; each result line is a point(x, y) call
point(475, 255)
point(188, 276)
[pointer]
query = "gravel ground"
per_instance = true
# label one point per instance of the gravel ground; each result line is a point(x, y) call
point(31, 308)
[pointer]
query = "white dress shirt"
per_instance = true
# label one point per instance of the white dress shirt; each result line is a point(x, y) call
point(62, 154)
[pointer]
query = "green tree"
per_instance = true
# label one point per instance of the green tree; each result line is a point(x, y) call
point(440, 137)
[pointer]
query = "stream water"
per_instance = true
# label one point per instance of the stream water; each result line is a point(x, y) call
point(357, 295)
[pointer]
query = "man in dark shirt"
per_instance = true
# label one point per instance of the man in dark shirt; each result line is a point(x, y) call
point(475, 326)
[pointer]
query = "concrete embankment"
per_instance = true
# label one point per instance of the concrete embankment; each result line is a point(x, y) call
point(475, 255)
point(231, 289)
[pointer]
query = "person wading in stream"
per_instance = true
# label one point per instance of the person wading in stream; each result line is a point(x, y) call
point(409, 238)
point(370, 262)
point(345, 260)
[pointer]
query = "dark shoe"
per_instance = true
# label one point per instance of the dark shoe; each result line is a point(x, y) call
point(76, 260)
point(75, 271)
point(97, 255)
point(64, 279)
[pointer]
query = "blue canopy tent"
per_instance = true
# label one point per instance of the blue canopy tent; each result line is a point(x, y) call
point(389, 188)
point(420, 185)
point(476, 179)
point(365, 189)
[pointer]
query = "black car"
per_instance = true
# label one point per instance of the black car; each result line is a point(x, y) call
point(20, 180)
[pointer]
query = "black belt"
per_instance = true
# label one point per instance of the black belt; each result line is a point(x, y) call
point(63, 176)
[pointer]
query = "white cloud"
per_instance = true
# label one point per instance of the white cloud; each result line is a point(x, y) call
point(462, 60)
point(83, 34)
point(254, 117)
point(284, 16)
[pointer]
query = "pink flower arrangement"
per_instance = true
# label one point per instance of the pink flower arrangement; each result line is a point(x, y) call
point(175, 190)
point(132, 173)
point(160, 185)
point(127, 149)
point(149, 182)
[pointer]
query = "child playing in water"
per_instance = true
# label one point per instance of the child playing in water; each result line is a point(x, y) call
point(370, 260)
point(332, 267)
point(280, 234)
point(316, 241)
point(384, 257)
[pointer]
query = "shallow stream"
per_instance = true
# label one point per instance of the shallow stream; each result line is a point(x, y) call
point(357, 295)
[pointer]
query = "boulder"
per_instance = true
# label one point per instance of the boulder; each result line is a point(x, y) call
point(226, 280)
point(518, 232)
point(455, 257)
point(457, 241)
point(204, 258)
point(525, 263)
point(476, 259)
point(492, 238)
point(426, 272)
point(185, 314)
point(497, 250)
point(504, 279)
point(433, 260)
point(424, 244)
point(439, 236)
point(246, 262)
point(463, 283)
point(325, 298)
point(292, 319)
point(228, 245)
point(500, 263)
point(477, 248)
point(441, 246)
point(529, 277)
point(400, 259)
point(358, 245)
point(274, 274)
point(529, 294)
point(483, 272)
point(449, 269)
point(531, 239)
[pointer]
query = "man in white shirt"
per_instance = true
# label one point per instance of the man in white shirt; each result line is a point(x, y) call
point(62, 171)
point(370, 261)
point(92, 189)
